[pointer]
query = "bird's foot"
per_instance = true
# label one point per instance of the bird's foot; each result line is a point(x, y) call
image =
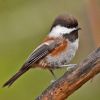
point(69, 66)
point(52, 81)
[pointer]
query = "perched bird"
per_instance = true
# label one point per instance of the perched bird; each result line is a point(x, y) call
point(57, 49)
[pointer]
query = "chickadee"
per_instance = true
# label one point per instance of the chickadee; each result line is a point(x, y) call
point(57, 49)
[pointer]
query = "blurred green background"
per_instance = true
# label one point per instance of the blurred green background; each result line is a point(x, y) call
point(23, 25)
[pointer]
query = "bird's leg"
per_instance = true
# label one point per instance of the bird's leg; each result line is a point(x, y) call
point(53, 75)
point(68, 67)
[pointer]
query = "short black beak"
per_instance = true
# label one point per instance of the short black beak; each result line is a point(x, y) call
point(78, 29)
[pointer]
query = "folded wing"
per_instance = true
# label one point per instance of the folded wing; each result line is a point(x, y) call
point(38, 54)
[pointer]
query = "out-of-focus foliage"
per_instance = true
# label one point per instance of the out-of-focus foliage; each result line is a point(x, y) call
point(23, 25)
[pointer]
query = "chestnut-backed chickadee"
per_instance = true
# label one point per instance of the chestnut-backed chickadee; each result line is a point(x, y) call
point(57, 49)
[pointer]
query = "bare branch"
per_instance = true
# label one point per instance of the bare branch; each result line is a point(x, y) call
point(71, 81)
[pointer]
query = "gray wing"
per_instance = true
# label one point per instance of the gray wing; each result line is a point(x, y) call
point(38, 54)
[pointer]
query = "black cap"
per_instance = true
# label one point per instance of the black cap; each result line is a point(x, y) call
point(66, 21)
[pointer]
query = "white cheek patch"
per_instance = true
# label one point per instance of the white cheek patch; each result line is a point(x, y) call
point(60, 30)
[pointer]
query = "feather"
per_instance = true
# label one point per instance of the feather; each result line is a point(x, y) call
point(40, 52)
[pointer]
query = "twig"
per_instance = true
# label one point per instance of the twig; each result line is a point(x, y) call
point(71, 81)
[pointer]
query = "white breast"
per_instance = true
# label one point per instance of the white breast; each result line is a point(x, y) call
point(66, 56)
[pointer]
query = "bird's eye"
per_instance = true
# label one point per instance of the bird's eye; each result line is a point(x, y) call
point(68, 26)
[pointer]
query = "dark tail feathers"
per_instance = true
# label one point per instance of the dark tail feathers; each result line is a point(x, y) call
point(14, 78)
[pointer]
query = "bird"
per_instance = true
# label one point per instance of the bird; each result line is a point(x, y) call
point(56, 50)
